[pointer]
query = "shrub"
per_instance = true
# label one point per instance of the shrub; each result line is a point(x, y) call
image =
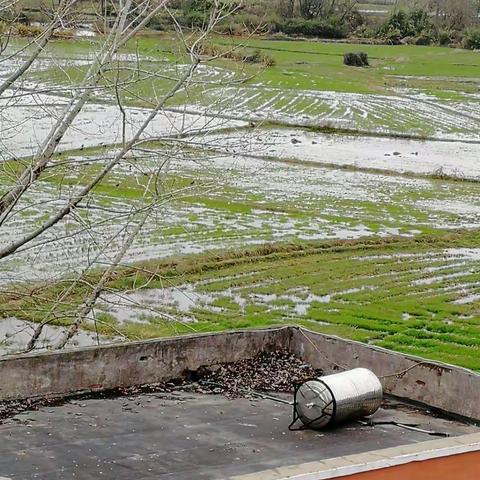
point(354, 20)
point(444, 37)
point(243, 24)
point(213, 50)
point(198, 5)
point(424, 38)
point(471, 39)
point(231, 28)
point(272, 22)
point(249, 21)
point(397, 23)
point(237, 54)
point(420, 22)
point(63, 33)
point(26, 30)
point(194, 18)
point(393, 36)
point(250, 56)
point(314, 28)
point(268, 61)
point(364, 31)
point(401, 24)
point(159, 23)
point(359, 59)
point(278, 36)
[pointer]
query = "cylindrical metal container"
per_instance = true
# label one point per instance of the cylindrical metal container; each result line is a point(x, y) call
point(339, 397)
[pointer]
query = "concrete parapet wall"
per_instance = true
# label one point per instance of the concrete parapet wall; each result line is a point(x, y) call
point(136, 363)
point(445, 387)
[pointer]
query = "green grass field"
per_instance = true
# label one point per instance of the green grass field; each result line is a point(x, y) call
point(319, 66)
point(407, 90)
point(415, 294)
point(299, 65)
point(306, 64)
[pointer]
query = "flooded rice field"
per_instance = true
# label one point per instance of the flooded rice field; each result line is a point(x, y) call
point(236, 200)
point(412, 115)
point(392, 155)
point(417, 300)
point(237, 164)
point(26, 120)
point(449, 271)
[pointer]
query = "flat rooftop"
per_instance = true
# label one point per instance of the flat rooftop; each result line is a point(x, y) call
point(181, 435)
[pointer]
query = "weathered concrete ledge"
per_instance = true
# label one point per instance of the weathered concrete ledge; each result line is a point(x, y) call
point(128, 364)
point(437, 459)
point(451, 389)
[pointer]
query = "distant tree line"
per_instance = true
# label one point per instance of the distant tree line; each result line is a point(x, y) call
point(421, 22)
point(310, 18)
point(446, 22)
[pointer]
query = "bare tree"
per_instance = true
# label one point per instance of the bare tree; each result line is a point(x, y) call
point(314, 9)
point(454, 14)
point(106, 74)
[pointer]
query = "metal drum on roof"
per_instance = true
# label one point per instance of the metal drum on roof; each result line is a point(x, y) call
point(339, 397)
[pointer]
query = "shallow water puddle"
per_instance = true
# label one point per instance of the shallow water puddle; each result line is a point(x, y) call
point(474, 298)
point(144, 305)
point(456, 159)
point(179, 303)
point(15, 334)
point(472, 254)
point(95, 125)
